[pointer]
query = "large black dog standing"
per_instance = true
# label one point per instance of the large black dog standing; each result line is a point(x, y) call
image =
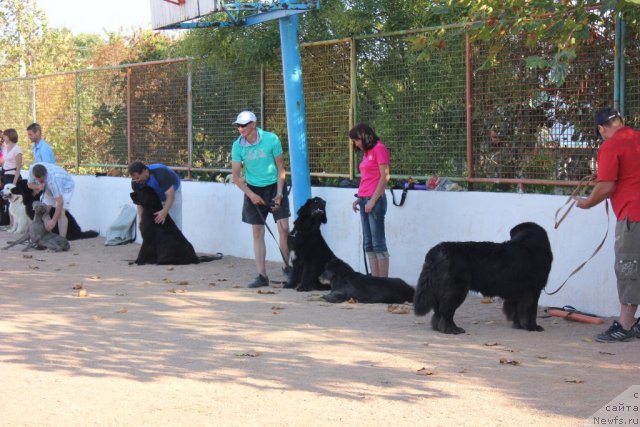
point(515, 270)
point(347, 284)
point(310, 252)
point(74, 232)
point(162, 243)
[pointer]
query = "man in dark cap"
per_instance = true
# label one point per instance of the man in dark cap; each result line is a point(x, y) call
point(619, 180)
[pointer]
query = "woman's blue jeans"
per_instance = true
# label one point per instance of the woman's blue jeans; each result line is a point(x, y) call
point(375, 242)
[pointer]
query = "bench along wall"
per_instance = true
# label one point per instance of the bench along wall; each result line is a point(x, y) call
point(212, 211)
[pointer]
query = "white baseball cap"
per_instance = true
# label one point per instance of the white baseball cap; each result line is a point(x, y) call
point(244, 118)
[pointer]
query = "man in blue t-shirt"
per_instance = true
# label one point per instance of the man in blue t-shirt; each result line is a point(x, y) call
point(165, 182)
point(41, 150)
point(260, 152)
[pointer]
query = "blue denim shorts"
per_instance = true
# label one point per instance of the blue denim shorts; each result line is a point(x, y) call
point(374, 240)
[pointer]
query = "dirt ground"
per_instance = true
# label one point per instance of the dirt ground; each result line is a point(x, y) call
point(192, 346)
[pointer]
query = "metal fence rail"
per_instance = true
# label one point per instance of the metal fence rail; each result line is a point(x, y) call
point(461, 113)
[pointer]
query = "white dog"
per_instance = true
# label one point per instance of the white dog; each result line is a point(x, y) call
point(19, 219)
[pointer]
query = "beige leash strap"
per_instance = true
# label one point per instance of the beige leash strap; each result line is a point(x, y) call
point(606, 208)
point(578, 191)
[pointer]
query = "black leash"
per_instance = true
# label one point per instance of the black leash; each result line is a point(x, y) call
point(264, 222)
point(403, 197)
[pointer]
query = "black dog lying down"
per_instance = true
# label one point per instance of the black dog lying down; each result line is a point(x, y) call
point(309, 250)
point(74, 232)
point(515, 270)
point(348, 284)
point(162, 243)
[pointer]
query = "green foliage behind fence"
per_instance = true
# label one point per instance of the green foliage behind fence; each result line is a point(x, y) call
point(179, 112)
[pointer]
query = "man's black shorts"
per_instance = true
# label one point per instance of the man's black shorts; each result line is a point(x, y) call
point(250, 213)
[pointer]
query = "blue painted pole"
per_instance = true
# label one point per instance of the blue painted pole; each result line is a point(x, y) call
point(296, 116)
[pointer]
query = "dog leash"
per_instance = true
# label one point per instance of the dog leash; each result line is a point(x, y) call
point(579, 190)
point(264, 222)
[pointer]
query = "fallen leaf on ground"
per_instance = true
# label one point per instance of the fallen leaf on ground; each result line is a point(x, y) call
point(94, 277)
point(182, 283)
point(248, 354)
point(504, 361)
point(275, 307)
point(540, 356)
point(315, 298)
point(38, 259)
point(176, 291)
point(27, 256)
point(121, 294)
point(491, 344)
point(83, 293)
point(83, 348)
point(122, 310)
point(260, 291)
point(586, 339)
point(352, 301)
point(573, 380)
point(169, 268)
point(221, 280)
point(77, 286)
point(398, 309)
point(607, 353)
point(34, 267)
point(425, 371)
point(212, 284)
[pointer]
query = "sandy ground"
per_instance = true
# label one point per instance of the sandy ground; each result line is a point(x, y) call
point(192, 346)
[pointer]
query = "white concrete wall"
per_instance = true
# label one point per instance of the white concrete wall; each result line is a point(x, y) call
point(211, 221)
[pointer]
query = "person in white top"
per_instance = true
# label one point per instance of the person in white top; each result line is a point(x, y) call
point(58, 187)
point(11, 157)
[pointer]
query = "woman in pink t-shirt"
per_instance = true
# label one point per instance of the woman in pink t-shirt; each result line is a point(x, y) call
point(372, 200)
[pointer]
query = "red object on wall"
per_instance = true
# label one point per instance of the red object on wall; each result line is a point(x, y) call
point(178, 2)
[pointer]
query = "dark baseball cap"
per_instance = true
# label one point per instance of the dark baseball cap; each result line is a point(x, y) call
point(606, 114)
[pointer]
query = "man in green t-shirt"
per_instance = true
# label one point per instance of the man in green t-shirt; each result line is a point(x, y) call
point(263, 185)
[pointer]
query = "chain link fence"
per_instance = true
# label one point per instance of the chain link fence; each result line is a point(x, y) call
point(460, 113)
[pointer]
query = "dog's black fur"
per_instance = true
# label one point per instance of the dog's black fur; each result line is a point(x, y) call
point(74, 232)
point(310, 251)
point(348, 284)
point(516, 270)
point(162, 243)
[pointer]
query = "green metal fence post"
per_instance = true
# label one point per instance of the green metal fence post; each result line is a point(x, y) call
point(78, 123)
point(352, 101)
point(189, 119)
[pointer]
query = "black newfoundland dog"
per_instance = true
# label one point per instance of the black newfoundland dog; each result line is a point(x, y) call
point(310, 252)
point(162, 243)
point(74, 232)
point(515, 270)
point(348, 284)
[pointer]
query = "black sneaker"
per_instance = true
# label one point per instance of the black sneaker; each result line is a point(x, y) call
point(259, 282)
point(636, 327)
point(616, 333)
